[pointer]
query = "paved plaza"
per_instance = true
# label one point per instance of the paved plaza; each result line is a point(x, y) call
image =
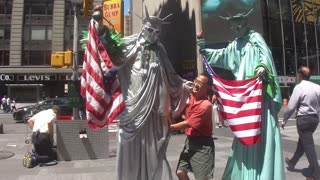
point(12, 144)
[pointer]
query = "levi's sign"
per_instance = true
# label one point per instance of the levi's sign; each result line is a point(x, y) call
point(36, 77)
point(6, 77)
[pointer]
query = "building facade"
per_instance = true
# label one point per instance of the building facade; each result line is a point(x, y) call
point(291, 28)
point(30, 31)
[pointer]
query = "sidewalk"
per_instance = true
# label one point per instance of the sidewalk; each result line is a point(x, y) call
point(104, 169)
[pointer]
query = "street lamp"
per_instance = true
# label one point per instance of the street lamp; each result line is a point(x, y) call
point(75, 73)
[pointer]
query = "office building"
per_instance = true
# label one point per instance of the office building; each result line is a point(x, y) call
point(30, 30)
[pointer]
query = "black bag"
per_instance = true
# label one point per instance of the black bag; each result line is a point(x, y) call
point(29, 160)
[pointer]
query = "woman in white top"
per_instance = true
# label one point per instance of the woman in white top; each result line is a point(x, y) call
point(13, 105)
point(215, 115)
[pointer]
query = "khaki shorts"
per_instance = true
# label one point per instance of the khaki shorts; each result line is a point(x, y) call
point(197, 156)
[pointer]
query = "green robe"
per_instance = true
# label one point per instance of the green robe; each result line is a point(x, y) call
point(262, 161)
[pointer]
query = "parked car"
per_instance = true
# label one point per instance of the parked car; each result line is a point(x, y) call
point(47, 104)
point(26, 112)
point(19, 115)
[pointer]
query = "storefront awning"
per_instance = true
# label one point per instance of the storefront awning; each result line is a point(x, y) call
point(15, 85)
point(26, 69)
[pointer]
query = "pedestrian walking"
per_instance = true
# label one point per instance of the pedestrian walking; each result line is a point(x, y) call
point(13, 105)
point(305, 101)
point(4, 103)
point(198, 153)
point(8, 101)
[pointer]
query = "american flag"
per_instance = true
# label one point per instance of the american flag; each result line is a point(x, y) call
point(239, 102)
point(99, 85)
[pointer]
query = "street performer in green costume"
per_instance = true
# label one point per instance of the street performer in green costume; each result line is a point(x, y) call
point(248, 56)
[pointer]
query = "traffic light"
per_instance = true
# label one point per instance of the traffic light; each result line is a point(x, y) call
point(87, 7)
point(68, 58)
point(62, 59)
point(57, 59)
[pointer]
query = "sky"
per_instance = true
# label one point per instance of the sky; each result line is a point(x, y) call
point(126, 6)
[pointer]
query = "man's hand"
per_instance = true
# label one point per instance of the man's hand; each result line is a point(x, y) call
point(282, 125)
point(200, 41)
point(200, 35)
point(260, 71)
point(172, 127)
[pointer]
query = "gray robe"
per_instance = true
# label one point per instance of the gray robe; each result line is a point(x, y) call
point(153, 93)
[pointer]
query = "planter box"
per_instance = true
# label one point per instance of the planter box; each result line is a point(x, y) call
point(71, 147)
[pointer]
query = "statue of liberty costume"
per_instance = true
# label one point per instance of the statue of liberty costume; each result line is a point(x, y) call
point(247, 56)
point(153, 94)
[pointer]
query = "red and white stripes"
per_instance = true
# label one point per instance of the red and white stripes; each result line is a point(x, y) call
point(101, 107)
point(239, 102)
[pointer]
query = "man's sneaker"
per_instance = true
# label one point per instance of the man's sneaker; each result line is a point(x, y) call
point(290, 165)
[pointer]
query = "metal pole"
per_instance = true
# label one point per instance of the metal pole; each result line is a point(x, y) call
point(199, 63)
point(315, 32)
point(283, 44)
point(305, 31)
point(294, 42)
point(75, 111)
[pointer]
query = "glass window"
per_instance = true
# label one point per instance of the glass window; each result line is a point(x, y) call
point(274, 9)
point(49, 33)
point(25, 58)
point(311, 36)
point(300, 38)
point(290, 62)
point(27, 9)
point(68, 11)
point(9, 7)
point(275, 31)
point(4, 58)
point(26, 33)
point(38, 9)
point(50, 9)
point(277, 54)
point(7, 32)
point(36, 57)
point(68, 33)
point(288, 34)
point(313, 62)
point(286, 10)
point(1, 33)
point(2, 8)
point(38, 33)
point(301, 57)
point(6, 7)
